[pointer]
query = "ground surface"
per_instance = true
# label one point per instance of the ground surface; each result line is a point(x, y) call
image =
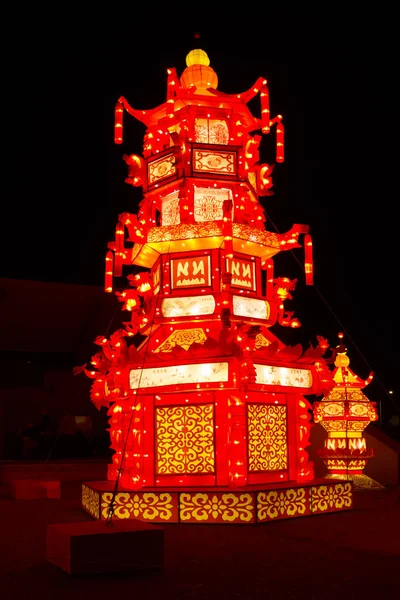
point(348, 555)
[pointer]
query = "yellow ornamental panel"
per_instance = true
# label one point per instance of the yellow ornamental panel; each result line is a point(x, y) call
point(91, 501)
point(161, 506)
point(185, 440)
point(161, 168)
point(214, 162)
point(330, 498)
point(332, 409)
point(184, 338)
point(217, 508)
point(275, 504)
point(267, 437)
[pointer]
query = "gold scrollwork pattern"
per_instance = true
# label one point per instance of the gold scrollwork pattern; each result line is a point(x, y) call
point(326, 498)
point(183, 231)
point(143, 506)
point(283, 503)
point(90, 501)
point(185, 440)
point(217, 507)
point(214, 162)
point(161, 168)
point(251, 234)
point(267, 437)
point(184, 338)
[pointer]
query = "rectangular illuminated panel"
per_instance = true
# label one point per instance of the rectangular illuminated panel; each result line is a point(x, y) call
point(243, 273)
point(267, 443)
point(185, 440)
point(178, 374)
point(208, 203)
point(156, 280)
point(190, 272)
point(214, 162)
point(211, 131)
point(269, 375)
point(170, 209)
point(188, 306)
point(161, 168)
point(250, 307)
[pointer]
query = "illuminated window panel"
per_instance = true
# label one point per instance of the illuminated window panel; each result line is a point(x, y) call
point(170, 209)
point(208, 203)
point(178, 374)
point(156, 279)
point(243, 273)
point(267, 437)
point(211, 131)
point(161, 168)
point(185, 440)
point(284, 376)
point(188, 306)
point(250, 307)
point(214, 162)
point(190, 272)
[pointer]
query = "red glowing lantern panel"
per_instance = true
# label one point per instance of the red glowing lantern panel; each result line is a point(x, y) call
point(243, 273)
point(190, 272)
point(185, 440)
point(267, 437)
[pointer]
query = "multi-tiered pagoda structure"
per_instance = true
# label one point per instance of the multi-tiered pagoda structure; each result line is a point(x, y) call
point(209, 420)
point(345, 412)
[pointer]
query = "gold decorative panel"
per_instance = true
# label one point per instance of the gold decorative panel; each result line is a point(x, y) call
point(267, 437)
point(183, 231)
point(185, 440)
point(261, 341)
point(243, 273)
point(148, 506)
point(330, 498)
point(91, 501)
point(214, 162)
point(184, 338)
point(161, 168)
point(217, 508)
point(283, 504)
point(191, 271)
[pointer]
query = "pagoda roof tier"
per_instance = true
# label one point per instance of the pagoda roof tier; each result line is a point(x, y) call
point(203, 236)
point(161, 115)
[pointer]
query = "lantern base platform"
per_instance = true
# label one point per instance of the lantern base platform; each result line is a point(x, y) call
point(360, 481)
point(218, 505)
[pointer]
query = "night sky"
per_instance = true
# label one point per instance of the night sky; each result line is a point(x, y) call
point(332, 75)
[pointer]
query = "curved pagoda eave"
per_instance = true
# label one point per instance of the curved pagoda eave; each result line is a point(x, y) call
point(187, 237)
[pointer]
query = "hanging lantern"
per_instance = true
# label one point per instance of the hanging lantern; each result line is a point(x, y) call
point(265, 112)
point(308, 260)
point(198, 74)
point(280, 154)
point(109, 272)
point(118, 123)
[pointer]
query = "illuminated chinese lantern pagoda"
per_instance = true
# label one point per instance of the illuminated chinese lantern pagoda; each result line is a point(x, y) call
point(208, 418)
point(344, 413)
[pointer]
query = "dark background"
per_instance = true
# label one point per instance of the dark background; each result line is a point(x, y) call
point(332, 75)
